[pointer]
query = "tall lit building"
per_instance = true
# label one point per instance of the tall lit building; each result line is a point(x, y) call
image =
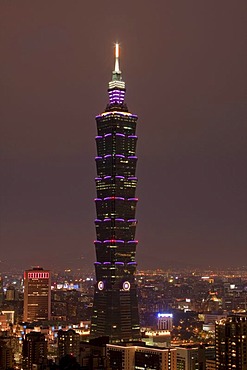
point(187, 358)
point(115, 310)
point(231, 343)
point(34, 351)
point(68, 343)
point(165, 321)
point(6, 351)
point(37, 295)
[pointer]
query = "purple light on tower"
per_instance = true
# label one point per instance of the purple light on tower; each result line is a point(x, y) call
point(116, 96)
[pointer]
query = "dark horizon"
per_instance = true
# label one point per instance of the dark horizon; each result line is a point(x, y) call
point(185, 71)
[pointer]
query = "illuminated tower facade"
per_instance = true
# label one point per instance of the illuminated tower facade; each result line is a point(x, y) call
point(115, 310)
point(37, 295)
point(231, 343)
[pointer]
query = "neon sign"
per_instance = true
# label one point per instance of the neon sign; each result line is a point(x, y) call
point(38, 275)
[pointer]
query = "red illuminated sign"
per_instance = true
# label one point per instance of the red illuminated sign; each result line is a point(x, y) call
point(38, 275)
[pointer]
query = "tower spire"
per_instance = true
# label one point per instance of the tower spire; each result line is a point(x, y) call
point(116, 87)
point(117, 70)
point(116, 74)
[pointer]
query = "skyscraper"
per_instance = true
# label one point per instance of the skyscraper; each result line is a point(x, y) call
point(68, 343)
point(34, 351)
point(115, 310)
point(37, 295)
point(6, 351)
point(231, 343)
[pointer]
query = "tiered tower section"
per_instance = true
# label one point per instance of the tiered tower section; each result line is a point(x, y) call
point(115, 311)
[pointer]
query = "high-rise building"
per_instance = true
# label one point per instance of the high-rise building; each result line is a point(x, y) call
point(231, 343)
point(115, 310)
point(34, 351)
point(37, 295)
point(195, 357)
point(6, 352)
point(11, 294)
point(140, 357)
point(165, 321)
point(187, 358)
point(68, 343)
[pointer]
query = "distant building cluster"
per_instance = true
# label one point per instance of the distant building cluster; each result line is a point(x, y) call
point(51, 324)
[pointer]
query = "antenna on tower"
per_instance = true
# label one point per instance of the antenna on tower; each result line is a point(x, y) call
point(117, 70)
point(116, 88)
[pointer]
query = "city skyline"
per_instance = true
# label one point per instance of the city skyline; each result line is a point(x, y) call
point(188, 84)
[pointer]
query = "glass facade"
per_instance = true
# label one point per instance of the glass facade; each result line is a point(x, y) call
point(115, 311)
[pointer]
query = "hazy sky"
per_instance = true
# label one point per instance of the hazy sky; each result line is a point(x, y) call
point(184, 64)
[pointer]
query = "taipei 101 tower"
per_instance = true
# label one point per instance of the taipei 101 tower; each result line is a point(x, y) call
point(115, 309)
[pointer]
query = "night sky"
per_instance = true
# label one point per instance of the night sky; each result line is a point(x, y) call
point(184, 64)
